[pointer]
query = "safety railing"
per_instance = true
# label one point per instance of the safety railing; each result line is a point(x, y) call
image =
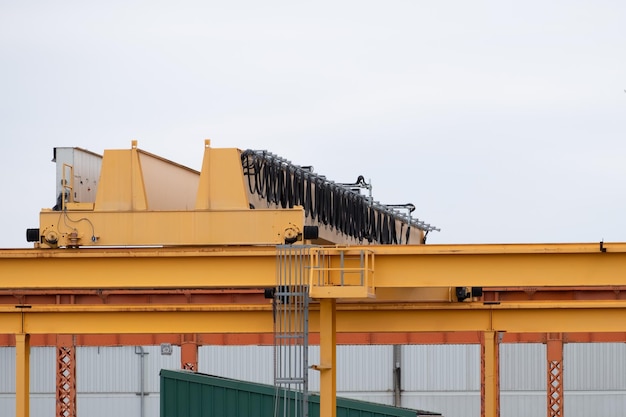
point(341, 272)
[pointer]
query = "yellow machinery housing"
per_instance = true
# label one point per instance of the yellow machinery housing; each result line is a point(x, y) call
point(131, 197)
point(145, 200)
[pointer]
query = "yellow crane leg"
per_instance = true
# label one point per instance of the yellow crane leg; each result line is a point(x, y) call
point(22, 375)
point(490, 374)
point(328, 357)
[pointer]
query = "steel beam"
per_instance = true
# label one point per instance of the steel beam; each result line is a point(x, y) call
point(22, 375)
point(416, 266)
point(526, 317)
point(490, 375)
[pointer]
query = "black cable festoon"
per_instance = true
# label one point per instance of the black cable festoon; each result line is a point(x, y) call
point(279, 182)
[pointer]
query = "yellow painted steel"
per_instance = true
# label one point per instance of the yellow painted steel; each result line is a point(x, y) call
point(419, 266)
point(490, 374)
point(222, 184)
point(539, 317)
point(22, 375)
point(341, 272)
point(328, 358)
point(165, 228)
point(145, 200)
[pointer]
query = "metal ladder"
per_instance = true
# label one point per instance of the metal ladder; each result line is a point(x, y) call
point(291, 331)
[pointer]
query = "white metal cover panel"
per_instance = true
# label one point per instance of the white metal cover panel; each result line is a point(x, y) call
point(523, 403)
point(381, 397)
point(121, 404)
point(248, 363)
point(87, 166)
point(594, 366)
point(42, 370)
point(41, 405)
point(604, 404)
point(523, 367)
point(359, 368)
point(441, 367)
point(108, 377)
point(7, 364)
point(364, 368)
point(449, 404)
point(117, 369)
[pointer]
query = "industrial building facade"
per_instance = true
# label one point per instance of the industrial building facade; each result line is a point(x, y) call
point(124, 380)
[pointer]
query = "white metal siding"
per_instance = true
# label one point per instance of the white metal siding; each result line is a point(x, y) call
point(42, 370)
point(450, 404)
point(116, 369)
point(381, 397)
point(523, 367)
point(7, 364)
point(601, 404)
point(594, 366)
point(114, 405)
point(441, 367)
point(365, 368)
point(436, 378)
point(41, 405)
point(248, 363)
point(523, 403)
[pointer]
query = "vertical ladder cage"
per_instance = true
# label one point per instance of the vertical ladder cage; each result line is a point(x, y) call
point(291, 331)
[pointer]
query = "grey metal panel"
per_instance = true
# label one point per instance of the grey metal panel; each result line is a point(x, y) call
point(441, 367)
point(365, 368)
point(42, 370)
point(359, 368)
point(41, 405)
point(380, 397)
point(523, 366)
point(117, 369)
point(449, 404)
point(7, 376)
point(7, 404)
point(605, 404)
point(107, 405)
point(248, 363)
point(87, 166)
point(154, 362)
point(523, 403)
point(314, 376)
point(594, 366)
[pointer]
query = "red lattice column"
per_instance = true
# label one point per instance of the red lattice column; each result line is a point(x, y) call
point(555, 374)
point(66, 376)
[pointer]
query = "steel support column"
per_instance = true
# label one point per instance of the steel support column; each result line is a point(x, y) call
point(328, 358)
point(22, 375)
point(490, 375)
point(66, 376)
point(555, 374)
point(189, 353)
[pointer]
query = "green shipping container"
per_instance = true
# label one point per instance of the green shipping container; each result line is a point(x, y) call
point(189, 394)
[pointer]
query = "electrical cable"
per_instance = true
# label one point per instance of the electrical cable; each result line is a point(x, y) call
point(341, 208)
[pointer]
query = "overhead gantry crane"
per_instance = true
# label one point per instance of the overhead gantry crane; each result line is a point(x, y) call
point(127, 238)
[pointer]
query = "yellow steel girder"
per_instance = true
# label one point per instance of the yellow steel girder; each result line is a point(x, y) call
point(418, 266)
point(540, 317)
point(200, 227)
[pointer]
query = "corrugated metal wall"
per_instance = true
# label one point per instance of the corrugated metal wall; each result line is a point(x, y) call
point(523, 380)
point(438, 378)
point(442, 378)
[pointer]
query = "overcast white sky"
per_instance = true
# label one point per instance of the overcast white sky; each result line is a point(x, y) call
point(502, 121)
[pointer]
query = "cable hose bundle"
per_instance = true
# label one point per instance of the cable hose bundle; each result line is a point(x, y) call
point(285, 185)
